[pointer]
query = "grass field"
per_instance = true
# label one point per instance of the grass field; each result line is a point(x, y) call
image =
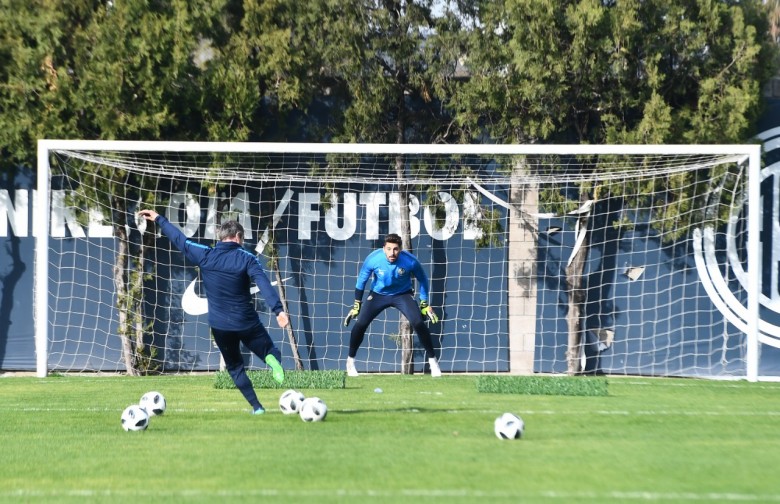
point(419, 440)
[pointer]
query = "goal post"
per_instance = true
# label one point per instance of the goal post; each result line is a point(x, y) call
point(528, 248)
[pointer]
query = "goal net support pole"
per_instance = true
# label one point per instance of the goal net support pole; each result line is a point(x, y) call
point(754, 261)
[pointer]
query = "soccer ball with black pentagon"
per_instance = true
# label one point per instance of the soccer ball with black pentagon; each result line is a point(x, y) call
point(290, 402)
point(135, 418)
point(313, 409)
point(153, 403)
point(509, 426)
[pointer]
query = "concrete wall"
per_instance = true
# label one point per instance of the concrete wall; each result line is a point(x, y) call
point(522, 279)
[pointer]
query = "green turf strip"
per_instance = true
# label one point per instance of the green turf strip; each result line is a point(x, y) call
point(292, 380)
point(543, 385)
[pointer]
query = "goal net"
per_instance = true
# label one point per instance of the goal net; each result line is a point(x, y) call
point(542, 259)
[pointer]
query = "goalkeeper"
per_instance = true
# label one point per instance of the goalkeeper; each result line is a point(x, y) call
point(227, 271)
point(392, 270)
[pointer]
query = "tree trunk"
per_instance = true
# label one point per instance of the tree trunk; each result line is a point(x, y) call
point(137, 288)
point(120, 274)
point(404, 327)
point(407, 347)
point(290, 332)
point(574, 317)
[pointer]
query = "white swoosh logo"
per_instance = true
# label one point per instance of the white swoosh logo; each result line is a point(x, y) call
point(192, 304)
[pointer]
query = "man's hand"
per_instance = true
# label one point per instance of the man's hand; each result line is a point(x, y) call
point(149, 215)
point(282, 319)
point(353, 313)
point(427, 311)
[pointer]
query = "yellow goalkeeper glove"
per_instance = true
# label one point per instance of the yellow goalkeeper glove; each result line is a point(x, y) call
point(353, 313)
point(428, 312)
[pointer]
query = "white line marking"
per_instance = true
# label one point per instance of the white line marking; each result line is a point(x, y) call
point(413, 409)
point(554, 495)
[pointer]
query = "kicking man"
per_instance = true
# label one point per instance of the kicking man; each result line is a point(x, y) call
point(228, 270)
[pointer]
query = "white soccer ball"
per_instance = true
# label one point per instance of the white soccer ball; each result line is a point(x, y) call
point(153, 403)
point(290, 402)
point(313, 409)
point(509, 426)
point(135, 418)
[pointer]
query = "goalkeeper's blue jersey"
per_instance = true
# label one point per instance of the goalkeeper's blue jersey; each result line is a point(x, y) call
point(392, 278)
point(227, 270)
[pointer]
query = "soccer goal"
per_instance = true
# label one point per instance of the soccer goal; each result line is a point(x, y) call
point(627, 260)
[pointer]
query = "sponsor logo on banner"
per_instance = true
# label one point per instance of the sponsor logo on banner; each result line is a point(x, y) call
point(715, 277)
point(339, 220)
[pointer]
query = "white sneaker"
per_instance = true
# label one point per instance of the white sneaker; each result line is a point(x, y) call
point(351, 371)
point(434, 365)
